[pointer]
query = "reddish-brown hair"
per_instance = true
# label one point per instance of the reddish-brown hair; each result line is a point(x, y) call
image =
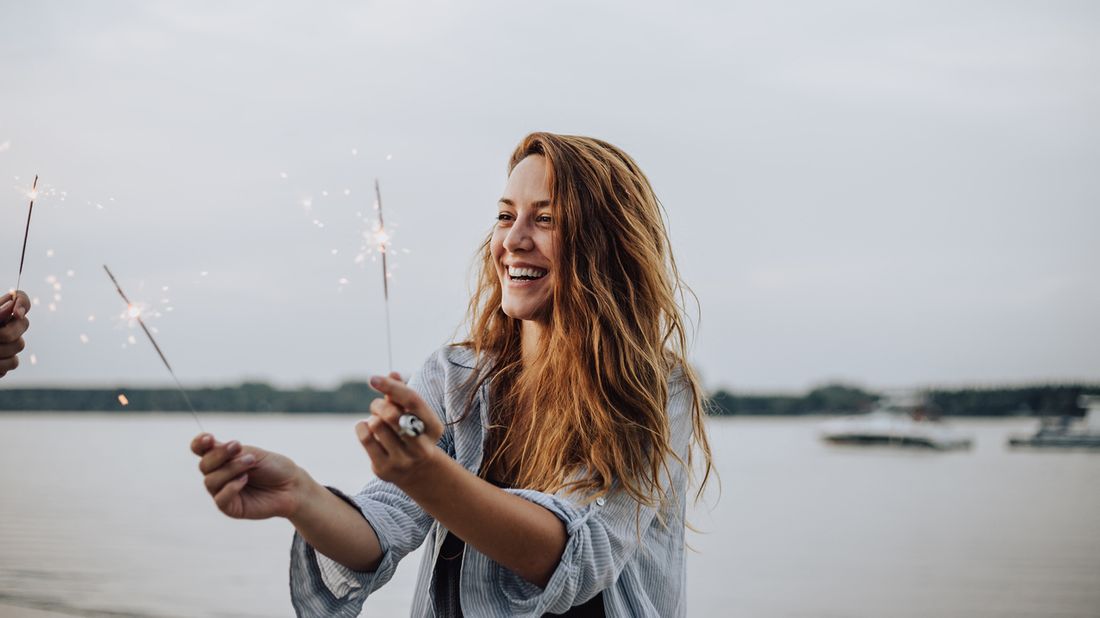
point(591, 408)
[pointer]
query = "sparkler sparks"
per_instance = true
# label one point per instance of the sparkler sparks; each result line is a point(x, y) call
point(134, 311)
point(374, 239)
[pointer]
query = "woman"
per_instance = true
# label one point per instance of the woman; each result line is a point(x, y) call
point(552, 473)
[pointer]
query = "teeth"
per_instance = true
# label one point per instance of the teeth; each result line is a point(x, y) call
point(533, 273)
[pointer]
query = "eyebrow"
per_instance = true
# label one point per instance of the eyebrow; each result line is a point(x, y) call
point(538, 204)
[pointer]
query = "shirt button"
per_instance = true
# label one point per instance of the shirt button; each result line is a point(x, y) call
point(600, 501)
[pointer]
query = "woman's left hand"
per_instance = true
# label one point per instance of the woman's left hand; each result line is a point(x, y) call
point(394, 457)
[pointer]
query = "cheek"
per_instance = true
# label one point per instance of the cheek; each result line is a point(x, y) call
point(496, 246)
point(549, 249)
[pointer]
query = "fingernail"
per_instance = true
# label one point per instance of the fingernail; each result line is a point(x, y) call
point(207, 440)
point(375, 381)
point(233, 447)
point(248, 459)
point(5, 306)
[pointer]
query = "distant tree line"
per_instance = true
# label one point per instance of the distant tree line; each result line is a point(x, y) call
point(247, 397)
point(355, 397)
point(1054, 400)
point(831, 398)
point(1038, 400)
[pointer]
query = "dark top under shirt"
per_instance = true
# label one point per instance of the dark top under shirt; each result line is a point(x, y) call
point(448, 570)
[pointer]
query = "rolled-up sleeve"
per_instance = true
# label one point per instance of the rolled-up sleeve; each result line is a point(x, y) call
point(602, 539)
point(400, 526)
point(321, 587)
point(604, 536)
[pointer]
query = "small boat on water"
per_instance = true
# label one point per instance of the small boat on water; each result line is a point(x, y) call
point(910, 422)
point(1066, 431)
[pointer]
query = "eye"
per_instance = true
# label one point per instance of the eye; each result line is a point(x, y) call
point(544, 219)
point(503, 216)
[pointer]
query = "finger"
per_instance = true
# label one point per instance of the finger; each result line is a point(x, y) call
point(230, 491)
point(11, 349)
point(365, 430)
point(218, 455)
point(6, 305)
point(22, 303)
point(397, 376)
point(377, 405)
point(8, 364)
point(373, 447)
point(397, 392)
point(387, 411)
point(202, 443)
point(377, 426)
point(13, 329)
point(388, 438)
point(217, 479)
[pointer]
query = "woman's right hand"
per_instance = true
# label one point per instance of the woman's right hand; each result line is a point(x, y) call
point(248, 482)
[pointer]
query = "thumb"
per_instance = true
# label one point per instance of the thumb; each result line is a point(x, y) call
point(22, 303)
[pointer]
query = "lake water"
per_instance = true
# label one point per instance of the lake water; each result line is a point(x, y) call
point(107, 516)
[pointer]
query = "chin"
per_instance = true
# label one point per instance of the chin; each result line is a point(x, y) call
point(525, 312)
point(517, 314)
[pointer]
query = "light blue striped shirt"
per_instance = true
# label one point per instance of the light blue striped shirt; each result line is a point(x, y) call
point(636, 558)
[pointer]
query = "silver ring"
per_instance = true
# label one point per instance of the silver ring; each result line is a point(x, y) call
point(410, 426)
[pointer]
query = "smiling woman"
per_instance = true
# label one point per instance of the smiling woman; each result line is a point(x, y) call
point(556, 458)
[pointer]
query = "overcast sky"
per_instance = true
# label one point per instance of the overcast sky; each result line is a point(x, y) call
point(890, 193)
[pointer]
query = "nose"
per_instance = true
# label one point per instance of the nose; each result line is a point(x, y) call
point(518, 237)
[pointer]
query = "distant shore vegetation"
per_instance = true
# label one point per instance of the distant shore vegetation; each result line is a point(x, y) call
point(355, 397)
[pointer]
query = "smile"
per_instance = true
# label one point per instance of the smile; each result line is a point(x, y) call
point(526, 274)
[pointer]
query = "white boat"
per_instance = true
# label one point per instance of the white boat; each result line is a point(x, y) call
point(903, 422)
point(1065, 431)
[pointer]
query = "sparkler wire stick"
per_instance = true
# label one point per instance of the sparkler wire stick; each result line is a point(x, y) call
point(385, 272)
point(155, 346)
point(26, 233)
point(409, 424)
point(22, 257)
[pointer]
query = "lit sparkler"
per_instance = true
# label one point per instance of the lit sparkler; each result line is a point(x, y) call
point(33, 193)
point(27, 230)
point(134, 312)
point(409, 424)
point(382, 237)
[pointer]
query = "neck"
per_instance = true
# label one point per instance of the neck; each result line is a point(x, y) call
point(530, 333)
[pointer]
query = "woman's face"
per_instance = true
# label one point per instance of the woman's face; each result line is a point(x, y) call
point(523, 246)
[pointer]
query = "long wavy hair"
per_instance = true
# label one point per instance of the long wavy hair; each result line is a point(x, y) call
point(591, 408)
